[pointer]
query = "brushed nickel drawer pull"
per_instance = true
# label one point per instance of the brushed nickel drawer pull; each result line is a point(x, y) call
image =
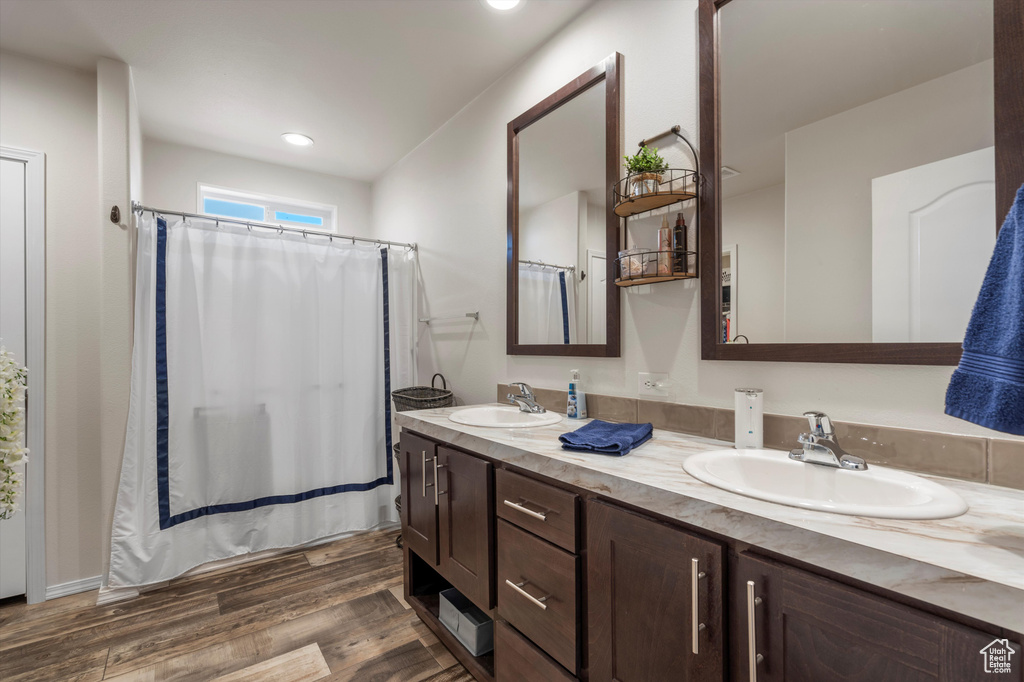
point(753, 657)
point(696, 626)
point(518, 587)
point(537, 515)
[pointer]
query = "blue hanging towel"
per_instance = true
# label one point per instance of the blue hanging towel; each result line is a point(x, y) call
point(988, 386)
point(606, 438)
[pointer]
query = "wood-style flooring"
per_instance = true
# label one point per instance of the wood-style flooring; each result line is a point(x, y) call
point(333, 612)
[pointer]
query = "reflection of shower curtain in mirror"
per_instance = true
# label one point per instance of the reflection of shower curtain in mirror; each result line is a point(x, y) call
point(547, 306)
point(260, 410)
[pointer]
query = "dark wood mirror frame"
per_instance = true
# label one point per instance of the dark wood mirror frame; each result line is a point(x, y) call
point(609, 71)
point(1008, 48)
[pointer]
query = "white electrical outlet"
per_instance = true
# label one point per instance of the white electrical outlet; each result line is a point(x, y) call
point(652, 384)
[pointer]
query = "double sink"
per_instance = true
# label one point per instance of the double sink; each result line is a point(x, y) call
point(773, 476)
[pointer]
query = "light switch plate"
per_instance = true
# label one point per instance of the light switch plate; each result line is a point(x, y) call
point(651, 384)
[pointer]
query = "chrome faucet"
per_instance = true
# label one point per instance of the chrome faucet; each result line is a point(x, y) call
point(526, 400)
point(821, 446)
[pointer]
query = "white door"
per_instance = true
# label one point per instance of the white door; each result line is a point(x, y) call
point(12, 333)
point(597, 331)
point(933, 233)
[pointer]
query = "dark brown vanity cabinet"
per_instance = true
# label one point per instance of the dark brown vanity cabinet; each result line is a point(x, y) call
point(806, 628)
point(654, 599)
point(538, 578)
point(581, 588)
point(419, 508)
point(447, 496)
point(465, 531)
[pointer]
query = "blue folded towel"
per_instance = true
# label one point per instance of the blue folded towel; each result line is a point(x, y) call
point(988, 386)
point(606, 438)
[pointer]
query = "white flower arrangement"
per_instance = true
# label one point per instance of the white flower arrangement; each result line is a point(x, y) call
point(12, 422)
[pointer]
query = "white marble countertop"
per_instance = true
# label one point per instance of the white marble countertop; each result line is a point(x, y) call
point(972, 564)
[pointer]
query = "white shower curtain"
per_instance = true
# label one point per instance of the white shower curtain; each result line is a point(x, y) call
point(260, 400)
point(547, 305)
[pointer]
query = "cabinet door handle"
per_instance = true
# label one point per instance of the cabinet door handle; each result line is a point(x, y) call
point(753, 657)
point(518, 587)
point(437, 493)
point(529, 512)
point(696, 626)
point(423, 471)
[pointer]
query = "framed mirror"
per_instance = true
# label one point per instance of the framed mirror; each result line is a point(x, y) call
point(867, 153)
point(563, 159)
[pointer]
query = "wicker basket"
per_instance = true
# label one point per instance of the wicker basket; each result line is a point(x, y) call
point(423, 397)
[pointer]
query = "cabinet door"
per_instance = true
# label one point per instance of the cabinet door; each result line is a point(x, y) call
point(419, 510)
point(808, 628)
point(466, 533)
point(646, 621)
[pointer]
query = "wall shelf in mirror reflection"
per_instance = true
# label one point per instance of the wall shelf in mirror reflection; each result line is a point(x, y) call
point(871, 191)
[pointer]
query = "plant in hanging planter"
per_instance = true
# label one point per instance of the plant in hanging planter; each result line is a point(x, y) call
point(645, 169)
point(12, 422)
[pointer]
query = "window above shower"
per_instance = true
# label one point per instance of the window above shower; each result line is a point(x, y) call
point(266, 208)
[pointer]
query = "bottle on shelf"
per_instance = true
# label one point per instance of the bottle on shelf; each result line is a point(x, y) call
point(680, 264)
point(664, 248)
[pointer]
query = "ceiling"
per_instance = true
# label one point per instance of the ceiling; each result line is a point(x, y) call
point(368, 80)
point(788, 63)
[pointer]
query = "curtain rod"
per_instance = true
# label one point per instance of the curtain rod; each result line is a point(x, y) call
point(567, 268)
point(139, 208)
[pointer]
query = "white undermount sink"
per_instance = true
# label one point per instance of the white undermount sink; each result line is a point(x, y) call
point(503, 417)
point(877, 492)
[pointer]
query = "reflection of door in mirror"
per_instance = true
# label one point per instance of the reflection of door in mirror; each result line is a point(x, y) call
point(562, 217)
point(862, 136)
point(730, 287)
point(596, 327)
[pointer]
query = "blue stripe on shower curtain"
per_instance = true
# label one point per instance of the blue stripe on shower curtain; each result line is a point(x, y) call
point(565, 308)
point(163, 413)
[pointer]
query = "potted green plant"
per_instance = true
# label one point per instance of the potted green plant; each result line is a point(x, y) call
point(644, 168)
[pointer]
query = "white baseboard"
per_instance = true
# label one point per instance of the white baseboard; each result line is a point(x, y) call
point(73, 587)
point(109, 595)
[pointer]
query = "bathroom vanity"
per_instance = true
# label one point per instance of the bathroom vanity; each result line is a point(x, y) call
point(601, 568)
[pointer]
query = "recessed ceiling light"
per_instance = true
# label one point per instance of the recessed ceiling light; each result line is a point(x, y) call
point(503, 5)
point(298, 139)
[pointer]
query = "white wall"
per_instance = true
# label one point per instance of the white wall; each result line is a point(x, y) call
point(171, 171)
point(449, 196)
point(829, 167)
point(52, 109)
point(756, 223)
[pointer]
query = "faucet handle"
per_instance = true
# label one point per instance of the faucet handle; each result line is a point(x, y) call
point(525, 389)
point(821, 425)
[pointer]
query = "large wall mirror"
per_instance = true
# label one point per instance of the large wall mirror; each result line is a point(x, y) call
point(563, 158)
point(866, 154)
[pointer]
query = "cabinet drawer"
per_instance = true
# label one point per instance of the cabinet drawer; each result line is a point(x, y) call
point(537, 592)
point(516, 659)
point(537, 507)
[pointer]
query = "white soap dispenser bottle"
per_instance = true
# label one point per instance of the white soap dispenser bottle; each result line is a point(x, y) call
point(577, 407)
point(749, 418)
